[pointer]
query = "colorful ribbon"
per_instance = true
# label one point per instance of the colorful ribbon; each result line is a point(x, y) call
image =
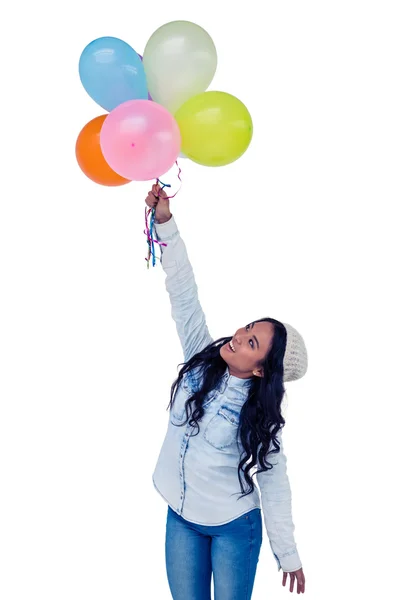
point(149, 227)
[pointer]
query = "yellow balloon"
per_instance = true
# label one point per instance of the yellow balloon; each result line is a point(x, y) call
point(216, 128)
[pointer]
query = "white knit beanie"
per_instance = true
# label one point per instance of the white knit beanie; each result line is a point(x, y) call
point(295, 360)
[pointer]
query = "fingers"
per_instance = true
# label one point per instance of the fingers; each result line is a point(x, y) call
point(301, 583)
point(155, 194)
point(292, 580)
point(162, 194)
point(151, 200)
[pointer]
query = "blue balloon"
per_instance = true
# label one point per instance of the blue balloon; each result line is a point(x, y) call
point(111, 72)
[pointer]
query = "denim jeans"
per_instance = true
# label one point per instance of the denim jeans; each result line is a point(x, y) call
point(229, 552)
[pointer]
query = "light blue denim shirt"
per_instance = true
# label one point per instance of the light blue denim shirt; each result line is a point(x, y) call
point(197, 475)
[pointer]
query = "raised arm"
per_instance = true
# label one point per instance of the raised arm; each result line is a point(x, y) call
point(276, 499)
point(180, 282)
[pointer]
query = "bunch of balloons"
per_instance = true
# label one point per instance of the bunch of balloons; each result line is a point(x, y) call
point(158, 107)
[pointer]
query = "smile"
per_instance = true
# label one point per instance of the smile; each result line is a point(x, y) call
point(232, 347)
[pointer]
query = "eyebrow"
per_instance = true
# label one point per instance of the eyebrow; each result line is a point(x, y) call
point(258, 345)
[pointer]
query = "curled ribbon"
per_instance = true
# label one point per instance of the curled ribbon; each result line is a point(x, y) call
point(149, 227)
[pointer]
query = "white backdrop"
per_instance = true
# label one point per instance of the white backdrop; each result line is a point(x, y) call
point(302, 228)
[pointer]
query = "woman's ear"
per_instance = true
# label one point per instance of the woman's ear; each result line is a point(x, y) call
point(258, 372)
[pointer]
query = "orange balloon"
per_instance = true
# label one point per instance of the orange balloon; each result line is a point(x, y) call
point(90, 157)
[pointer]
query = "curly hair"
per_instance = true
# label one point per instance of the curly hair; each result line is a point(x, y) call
point(261, 417)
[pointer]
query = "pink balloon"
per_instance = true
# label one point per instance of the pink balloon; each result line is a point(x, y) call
point(140, 140)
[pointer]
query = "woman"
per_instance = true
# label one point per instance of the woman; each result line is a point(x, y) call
point(225, 426)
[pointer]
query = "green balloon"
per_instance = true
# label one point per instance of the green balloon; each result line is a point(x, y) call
point(216, 128)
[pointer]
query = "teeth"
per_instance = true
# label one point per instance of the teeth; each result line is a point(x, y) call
point(232, 346)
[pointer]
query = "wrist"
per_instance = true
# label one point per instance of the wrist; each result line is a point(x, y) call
point(163, 220)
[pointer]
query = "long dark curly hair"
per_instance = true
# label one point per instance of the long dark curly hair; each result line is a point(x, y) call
point(260, 418)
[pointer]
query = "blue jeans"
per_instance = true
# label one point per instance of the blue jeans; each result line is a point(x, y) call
point(229, 552)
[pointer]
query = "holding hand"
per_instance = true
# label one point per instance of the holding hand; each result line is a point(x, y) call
point(158, 199)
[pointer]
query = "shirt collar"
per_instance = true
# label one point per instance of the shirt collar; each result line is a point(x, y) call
point(229, 380)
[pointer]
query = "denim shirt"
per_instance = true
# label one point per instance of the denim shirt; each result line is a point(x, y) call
point(197, 475)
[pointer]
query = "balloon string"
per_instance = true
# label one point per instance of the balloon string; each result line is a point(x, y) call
point(149, 233)
point(150, 227)
point(166, 185)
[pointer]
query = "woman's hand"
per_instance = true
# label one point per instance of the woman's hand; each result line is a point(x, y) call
point(296, 575)
point(158, 199)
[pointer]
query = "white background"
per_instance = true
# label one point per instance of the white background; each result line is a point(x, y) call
point(303, 228)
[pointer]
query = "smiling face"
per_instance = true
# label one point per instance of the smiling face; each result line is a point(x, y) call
point(246, 352)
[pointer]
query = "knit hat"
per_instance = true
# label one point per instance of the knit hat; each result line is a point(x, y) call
point(295, 360)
